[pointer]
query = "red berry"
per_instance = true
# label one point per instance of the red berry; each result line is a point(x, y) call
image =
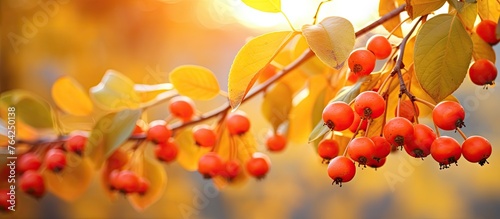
point(369, 105)
point(476, 149)
point(210, 165)
point(158, 132)
point(237, 123)
point(231, 169)
point(361, 150)
point(361, 62)
point(328, 149)
point(127, 182)
point(113, 179)
point(407, 111)
point(448, 115)
point(355, 124)
point(380, 46)
point(276, 142)
point(76, 144)
point(139, 128)
point(28, 161)
point(4, 200)
point(376, 163)
point(117, 159)
point(143, 186)
point(420, 144)
point(204, 136)
point(398, 131)
point(31, 182)
point(338, 116)
point(55, 160)
point(341, 169)
point(258, 165)
point(486, 29)
point(445, 150)
point(483, 72)
point(182, 107)
point(382, 147)
point(167, 151)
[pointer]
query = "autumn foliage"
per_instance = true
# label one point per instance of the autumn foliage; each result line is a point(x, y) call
point(317, 89)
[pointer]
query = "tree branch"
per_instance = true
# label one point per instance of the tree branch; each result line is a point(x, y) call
point(222, 110)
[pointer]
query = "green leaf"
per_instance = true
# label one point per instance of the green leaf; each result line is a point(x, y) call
point(251, 58)
point(195, 82)
point(384, 7)
point(70, 96)
point(417, 8)
point(109, 133)
point(30, 108)
point(332, 40)
point(488, 9)
point(115, 92)
point(482, 49)
point(264, 5)
point(467, 12)
point(277, 104)
point(443, 51)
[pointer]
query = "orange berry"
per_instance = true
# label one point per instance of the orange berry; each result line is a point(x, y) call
point(182, 107)
point(276, 142)
point(483, 72)
point(361, 62)
point(338, 116)
point(237, 123)
point(158, 132)
point(204, 136)
point(486, 29)
point(380, 46)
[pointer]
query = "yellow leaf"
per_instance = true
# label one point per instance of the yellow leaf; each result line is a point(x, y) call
point(488, 9)
point(189, 152)
point(443, 50)
point(417, 8)
point(115, 92)
point(73, 181)
point(301, 113)
point(149, 92)
point(251, 58)
point(313, 65)
point(69, 95)
point(332, 40)
point(467, 12)
point(264, 5)
point(482, 49)
point(409, 52)
point(277, 104)
point(384, 7)
point(153, 171)
point(195, 82)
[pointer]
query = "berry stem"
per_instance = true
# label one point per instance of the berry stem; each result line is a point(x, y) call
point(315, 18)
point(462, 133)
point(425, 102)
point(437, 130)
point(399, 62)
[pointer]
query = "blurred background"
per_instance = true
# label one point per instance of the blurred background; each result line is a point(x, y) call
point(145, 39)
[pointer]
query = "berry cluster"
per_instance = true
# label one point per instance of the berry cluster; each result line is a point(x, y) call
point(418, 140)
point(31, 164)
point(212, 164)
